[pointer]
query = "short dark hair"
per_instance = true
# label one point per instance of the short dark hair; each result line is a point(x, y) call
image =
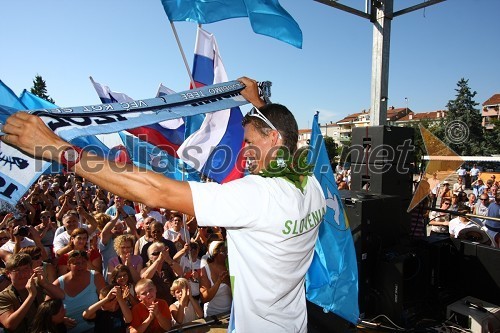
point(282, 119)
point(17, 260)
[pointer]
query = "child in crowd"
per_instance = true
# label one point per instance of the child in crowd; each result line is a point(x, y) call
point(186, 308)
point(49, 317)
point(122, 278)
point(151, 315)
point(111, 313)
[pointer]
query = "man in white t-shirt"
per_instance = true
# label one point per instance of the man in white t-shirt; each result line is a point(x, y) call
point(460, 222)
point(176, 232)
point(70, 222)
point(147, 212)
point(272, 222)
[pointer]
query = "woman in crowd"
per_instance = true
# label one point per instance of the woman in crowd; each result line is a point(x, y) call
point(78, 240)
point(49, 317)
point(162, 270)
point(121, 277)
point(215, 287)
point(124, 247)
point(81, 288)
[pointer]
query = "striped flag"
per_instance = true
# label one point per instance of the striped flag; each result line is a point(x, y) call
point(214, 149)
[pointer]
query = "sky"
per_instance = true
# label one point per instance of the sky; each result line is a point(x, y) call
point(129, 46)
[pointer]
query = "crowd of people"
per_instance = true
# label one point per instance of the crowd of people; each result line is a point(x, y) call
point(77, 258)
point(480, 199)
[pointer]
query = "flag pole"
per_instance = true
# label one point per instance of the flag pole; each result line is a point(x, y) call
point(172, 25)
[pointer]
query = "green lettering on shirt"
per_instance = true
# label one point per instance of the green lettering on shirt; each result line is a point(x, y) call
point(287, 229)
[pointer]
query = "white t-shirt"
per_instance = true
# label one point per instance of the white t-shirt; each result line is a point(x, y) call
point(455, 226)
point(171, 234)
point(271, 230)
point(62, 237)
point(9, 246)
point(154, 214)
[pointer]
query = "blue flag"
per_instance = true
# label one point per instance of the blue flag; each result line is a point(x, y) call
point(8, 98)
point(332, 279)
point(148, 156)
point(267, 17)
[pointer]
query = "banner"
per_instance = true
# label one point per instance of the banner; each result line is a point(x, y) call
point(18, 171)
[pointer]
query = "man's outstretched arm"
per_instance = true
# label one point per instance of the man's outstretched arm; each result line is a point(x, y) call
point(30, 134)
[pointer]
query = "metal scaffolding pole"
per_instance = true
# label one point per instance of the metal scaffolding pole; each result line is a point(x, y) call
point(381, 15)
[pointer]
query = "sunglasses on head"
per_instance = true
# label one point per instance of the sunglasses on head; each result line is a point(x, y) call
point(254, 112)
point(36, 256)
point(75, 254)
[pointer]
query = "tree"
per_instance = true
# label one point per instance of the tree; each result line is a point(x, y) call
point(40, 89)
point(463, 117)
point(492, 138)
point(331, 148)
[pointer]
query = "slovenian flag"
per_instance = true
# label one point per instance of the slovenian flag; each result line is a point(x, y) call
point(214, 149)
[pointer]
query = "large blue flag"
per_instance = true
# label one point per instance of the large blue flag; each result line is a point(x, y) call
point(332, 279)
point(8, 98)
point(267, 17)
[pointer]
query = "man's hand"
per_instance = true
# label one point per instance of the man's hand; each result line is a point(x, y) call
point(251, 92)
point(30, 134)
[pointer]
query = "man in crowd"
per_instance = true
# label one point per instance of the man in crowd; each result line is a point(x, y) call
point(260, 213)
point(20, 300)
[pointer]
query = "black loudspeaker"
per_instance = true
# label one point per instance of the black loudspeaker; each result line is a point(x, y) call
point(390, 179)
point(382, 145)
point(383, 160)
point(400, 282)
point(478, 270)
point(376, 224)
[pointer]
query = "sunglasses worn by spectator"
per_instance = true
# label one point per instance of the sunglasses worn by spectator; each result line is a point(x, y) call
point(75, 254)
point(254, 112)
point(157, 253)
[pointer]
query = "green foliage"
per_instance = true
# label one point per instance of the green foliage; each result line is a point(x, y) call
point(492, 138)
point(331, 148)
point(463, 109)
point(40, 89)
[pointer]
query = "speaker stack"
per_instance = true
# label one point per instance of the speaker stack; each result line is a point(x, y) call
point(375, 222)
point(382, 160)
